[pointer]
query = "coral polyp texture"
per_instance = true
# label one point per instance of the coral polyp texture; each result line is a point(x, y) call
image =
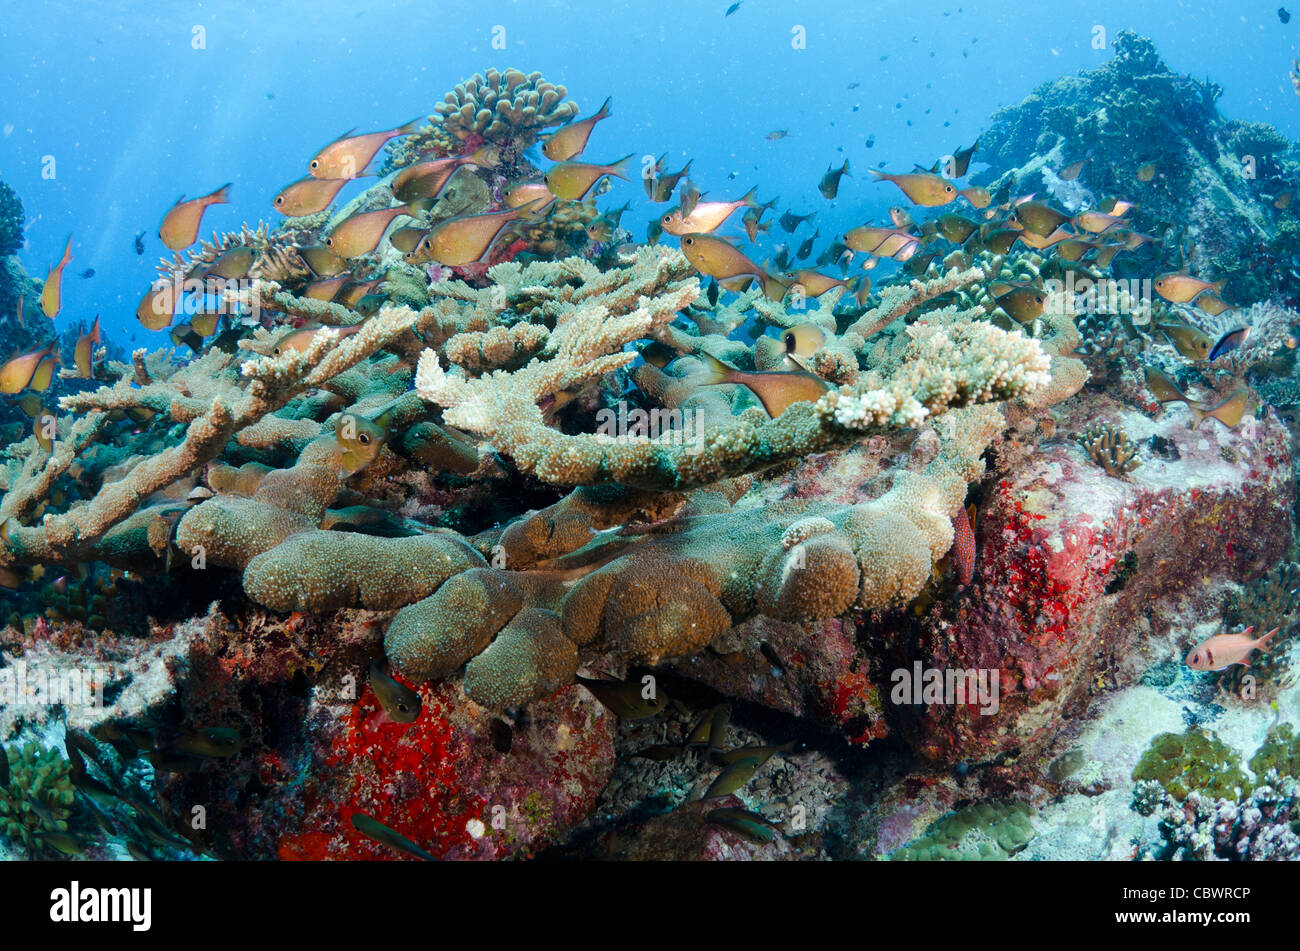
point(451, 521)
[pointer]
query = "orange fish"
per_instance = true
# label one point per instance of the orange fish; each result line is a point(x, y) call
point(307, 196)
point(428, 179)
point(568, 141)
point(18, 372)
point(572, 181)
point(40, 381)
point(52, 292)
point(1223, 650)
point(777, 391)
point(706, 216)
point(715, 257)
point(348, 155)
point(883, 242)
point(85, 349)
point(159, 304)
point(362, 233)
point(963, 545)
point(1181, 287)
point(300, 340)
point(921, 188)
point(22, 321)
point(468, 238)
point(180, 226)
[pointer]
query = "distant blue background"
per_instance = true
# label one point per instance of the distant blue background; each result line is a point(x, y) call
point(135, 117)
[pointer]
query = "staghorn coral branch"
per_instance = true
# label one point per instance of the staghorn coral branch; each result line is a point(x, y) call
point(900, 300)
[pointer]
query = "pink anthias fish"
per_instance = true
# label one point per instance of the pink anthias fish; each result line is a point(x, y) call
point(1223, 650)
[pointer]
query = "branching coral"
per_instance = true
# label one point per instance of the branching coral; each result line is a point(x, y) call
point(1109, 447)
point(497, 105)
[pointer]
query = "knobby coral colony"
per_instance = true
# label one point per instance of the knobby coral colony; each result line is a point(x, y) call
point(466, 401)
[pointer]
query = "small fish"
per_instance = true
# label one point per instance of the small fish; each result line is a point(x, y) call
point(901, 217)
point(762, 753)
point(85, 349)
point(712, 293)
point(829, 186)
point(322, 261)
point(376, 831)
point(805, 249)
point(1039, 218)
point(883, 242)
point(626, 698)
point(360, 442)
point(180, 226)
point(803, 340)
point(777, 391)
point(921, 189)
point(1224, 650)
point(307, 196)
point(52, 290)
point(233, 264)
point(814, 284)
point(963, 547)
point(1228, 342)
point(1229, 412)
point(573, 181)
point(653, 232)
point(777, 135)
point(733, 777)
point(218, 742)
point(348, 155)
point(716, 258)
point(977, 196)
point(706, 216)
point(659, 188)
point(789, 221)
point(1282, 200)
point(736, 6)
point(1071, 171)
point(954, 227)
point(527, 193)
point(1180, 287)
point(361, 233)
point(61, 842)
point(961, 160)
point(1162, 388)
point(87, 273)
point(1023, 304)
point(139, 243)
point(1283, 15)
point(428, 179)
point(18, 372)
point(1147, 172)
point(300, 340)
point(44, 375)
point(750, 826)
point(687, 198)
point(569, 140)
point(400, 702)
point(1187, 340)
point(1095, 222)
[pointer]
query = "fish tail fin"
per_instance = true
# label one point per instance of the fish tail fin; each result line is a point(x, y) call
point(772, 203)
point(414, 125)
point(221, 196)
point(879, 174)
point(1199, 412)
point(603, 112)
point(749, 199)
point(94, 331)
point(620, 167)
point(718, 372)
point(1264, 640)
point(860, 288)
point(845, 169)
point(67, 252)
point(774, 289)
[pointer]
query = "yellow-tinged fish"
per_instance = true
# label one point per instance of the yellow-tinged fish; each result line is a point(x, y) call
point(627, 699)
point(961, 160)
point(883, 242)
point(1071, 171)
point(324, 289)
point(353, 292)
point(45, 429)
point(30, 403)
point(158, 306)
point(1180, 287)
point(400, 702)
point(977, 196)
point(750, 826)
point(659, 188)
point(205, 324)
point(361, 233)
point(307, 196)
point(954, 227)
point(1192, 343)
point(360, 441)
point(829, 186)
point(1094, 222)
point(814, 283)
point(1162, 388)
point(44, 374)
point(777, 391)
point(52, 290)
point(233, 264)
point(300, 340)
point(1229, 412)
point(803, 340)
point(572, 181)
point(322, 261)
point(1146, 172)
point(180, 226)
point(717, 258)
point(85, 350)
point(348, 155)
point(1283, 199)
point(1023, 304)
point(376, 831)
point(568, 141)
point(405, 239)
point(1038, 218)
point(1224, 650)
point(1212, 304)
point(428, 179)
point(707, 216)
point(469, 238)
point(18, 372)
point(735, 776)
point(1040, 243)
point(921, 188)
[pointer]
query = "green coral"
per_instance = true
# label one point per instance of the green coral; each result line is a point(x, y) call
point(1280, 751)
point(1195, 760)
point(11, 221)
point(39, 796)
point(984, 831)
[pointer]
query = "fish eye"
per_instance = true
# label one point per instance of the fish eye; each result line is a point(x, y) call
point(364, 438)
point(667, 218)
point(688, 240)
point(314, 164)
point(279, 199)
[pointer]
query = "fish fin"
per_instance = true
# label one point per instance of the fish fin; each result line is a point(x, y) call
point(749, 199)
point(619, 168)
point(413, 126)
point(603, 112)
point(1263, 640)
point(718, 372)
point(221, 196)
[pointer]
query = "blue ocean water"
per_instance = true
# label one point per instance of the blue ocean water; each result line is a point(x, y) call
point(136, 104)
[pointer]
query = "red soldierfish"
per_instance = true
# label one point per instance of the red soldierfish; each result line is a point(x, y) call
point(1223, 650)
